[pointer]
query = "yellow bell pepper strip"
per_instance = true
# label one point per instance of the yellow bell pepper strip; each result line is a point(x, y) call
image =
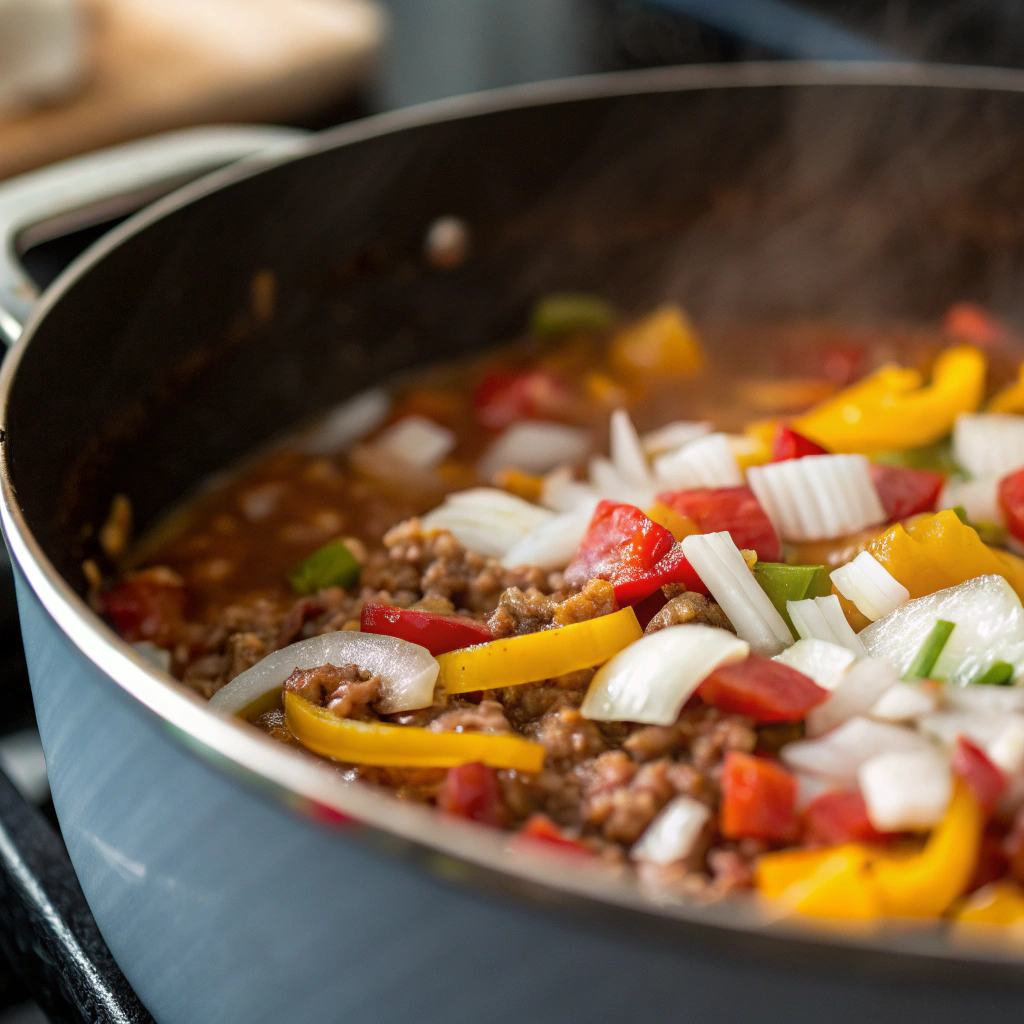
point(536, 656)
point(833, 882)
point(774, 873)
point(932, 552)
point(1011, 398)
point(749, 450)
point(1000, 903)
point(663, 342)
point(522, 485)
point(678, 525)
point(893, 409)
point(404, 746)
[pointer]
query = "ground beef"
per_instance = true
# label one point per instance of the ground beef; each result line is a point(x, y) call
point(689, 607)
point(487, 716)
point(347, 690)
point(520, 612)
point(623, 811)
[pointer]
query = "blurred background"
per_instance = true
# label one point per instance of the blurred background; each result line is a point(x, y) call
point(77, 75)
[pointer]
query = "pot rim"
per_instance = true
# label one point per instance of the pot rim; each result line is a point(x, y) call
point(452, 849)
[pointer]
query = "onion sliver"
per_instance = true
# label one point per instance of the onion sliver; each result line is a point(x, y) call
point(989, 444)
point(551, 545)
point(416, 440)
point(856, 693)
point(408, 672)
point(673, 435)
point(707, 462)
point(609, 483)
point(486, 520)
point(978, 498)
point(822, 618)
point(562, 493)
point(349, 422)
point(902, 702)
point(870, 586)
point(906, 791)
point(627, 453)
point(651, 679)
point(535, 446)
point(819, 660)
point(673, 833)
point(718, 562)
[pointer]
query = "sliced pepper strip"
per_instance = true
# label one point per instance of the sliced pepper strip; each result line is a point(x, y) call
point(535, 656)
point(1000, 903)
point(891, 409)
point(404, 746)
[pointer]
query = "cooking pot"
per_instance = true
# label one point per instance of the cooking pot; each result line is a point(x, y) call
point(237, 880)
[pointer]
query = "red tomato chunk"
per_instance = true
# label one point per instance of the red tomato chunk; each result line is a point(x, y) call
point(1011, 500)
point(788, 444)
point(540, 827)
point(472, 791)
point(985, 780)
point(438, 633)
point(503, 397)
point(148, 606)
point(906, 492)
point(758, 800)
point(764, 690)
point(733, 510)
point(839, 817)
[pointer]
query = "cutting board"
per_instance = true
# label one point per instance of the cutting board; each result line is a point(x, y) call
point(162, 64)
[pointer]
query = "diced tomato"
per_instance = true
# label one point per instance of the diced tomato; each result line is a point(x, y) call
point(985, 780)
point(147, 606)
point(788, 444)
point(540, 827)
point(906, 492)
point(633, 588)
point(505, 396)
point(758, 799)
point(839, 817)
point(733, 510)
point(971, 322)
point(1011, 501)
point(765, 690)
point(472, 791)
point(438, 633)
point(992, 860)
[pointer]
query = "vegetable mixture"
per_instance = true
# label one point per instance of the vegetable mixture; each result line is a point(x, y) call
point(772, 640)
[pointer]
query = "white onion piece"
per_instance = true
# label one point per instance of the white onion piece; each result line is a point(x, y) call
point(608, 482)
point(989, 624)
point(673, 435)
point(1006, 751)
point(981, 727)
point(673, 833)
point(156, 656)
point(487, 520)
point(822, 618)
point(857, 691)
point(718, 562)
point(552, 545)
point(839, 754)
point(817, 497)
point(906, 791)
point(416, 441)
point(707, 462)
point(819, 660)
point(996, 699)
point(978, 498)
point(810, 787)
point(651, 679)
point(989, 444)
point(535, 446)
point(408, 671)
point(347, 423)
point(870, 586)
point(902, 702)
point(627, 452)
point(560, 492)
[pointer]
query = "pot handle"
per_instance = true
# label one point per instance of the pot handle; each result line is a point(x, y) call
point(88, 190)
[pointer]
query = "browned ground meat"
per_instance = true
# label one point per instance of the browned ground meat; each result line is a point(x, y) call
point(689, 607)
point(347, 690)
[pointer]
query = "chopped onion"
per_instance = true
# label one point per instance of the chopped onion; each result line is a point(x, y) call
point(722, 569)
point(820, 660)
point(989, 627)
point(673, 833)
point(870, 586)
point(156, 656)
point(551, 545)
point(856, 692)
point(707, 462)
point(981, 727)
point(487, 520)
point(673, 435)
point(627, 453)
point(999, 699)
point(535, 446)
point(561, 493)
point(839, 754)
point(810, 787)
point(651, 679)
point(407, 671)
point(989, 444)
point(902, 702)
point(349, 422)
point(822, 618)
point(907, 790)
point(608, 482)
point(818, 497)
point(1006, 751)
point(417, 441)
point(978, 498)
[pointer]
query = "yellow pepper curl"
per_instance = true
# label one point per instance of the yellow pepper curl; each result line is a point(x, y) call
point(1011, 398)
point(894, 409)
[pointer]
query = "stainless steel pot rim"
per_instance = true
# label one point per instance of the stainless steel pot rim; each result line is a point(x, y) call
point(454, 849)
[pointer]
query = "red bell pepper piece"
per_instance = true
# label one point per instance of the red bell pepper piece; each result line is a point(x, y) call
point(972, 764)
point(472, 791)
point(505, 396)
point(733, 510)
point(758, 799)
point(147, 606)
point(438, 633)
point(906, 492)
point(540, 827)
point(993, 863)
point(974, 323)
point(839, 817)
point(788, 444)
point(1011, 501)
point(762, 689)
